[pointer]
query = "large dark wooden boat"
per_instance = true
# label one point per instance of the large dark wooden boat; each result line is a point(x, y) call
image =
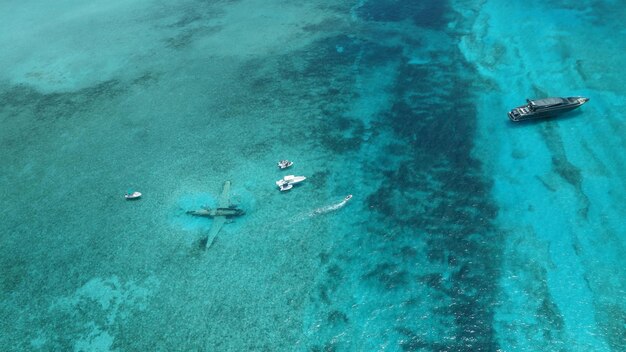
point(547, 107)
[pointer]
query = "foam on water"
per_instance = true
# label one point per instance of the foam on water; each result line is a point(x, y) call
point(329, 208)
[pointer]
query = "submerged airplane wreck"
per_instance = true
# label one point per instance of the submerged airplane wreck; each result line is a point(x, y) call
point(224, 210)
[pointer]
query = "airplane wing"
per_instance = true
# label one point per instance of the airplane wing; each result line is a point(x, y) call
point(216, 226)
point(219, 221)
point(224, 201)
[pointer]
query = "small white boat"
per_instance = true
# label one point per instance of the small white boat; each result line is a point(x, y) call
point(283, 164)
point(347, 198)
point(287, 182)
point(132, 195)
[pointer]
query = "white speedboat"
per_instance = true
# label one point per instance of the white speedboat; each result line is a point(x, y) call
point(283, 164)
point(291, 179)
point(132, 195)
point(287, 182)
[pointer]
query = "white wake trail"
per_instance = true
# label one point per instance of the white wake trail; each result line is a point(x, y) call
point(329, 208)
point(321, 210)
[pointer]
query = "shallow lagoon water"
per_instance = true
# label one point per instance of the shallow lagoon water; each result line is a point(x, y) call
point(465, 232)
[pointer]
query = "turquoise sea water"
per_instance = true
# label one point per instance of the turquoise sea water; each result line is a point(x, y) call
point(465, 232)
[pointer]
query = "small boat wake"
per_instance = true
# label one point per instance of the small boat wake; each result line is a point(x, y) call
point(332, 207)
point(320, 211)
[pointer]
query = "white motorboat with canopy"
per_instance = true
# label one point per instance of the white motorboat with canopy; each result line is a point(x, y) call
point(286, 183)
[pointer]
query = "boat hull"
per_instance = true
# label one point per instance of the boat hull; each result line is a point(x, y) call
point(285, 187)
point(132, 196)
